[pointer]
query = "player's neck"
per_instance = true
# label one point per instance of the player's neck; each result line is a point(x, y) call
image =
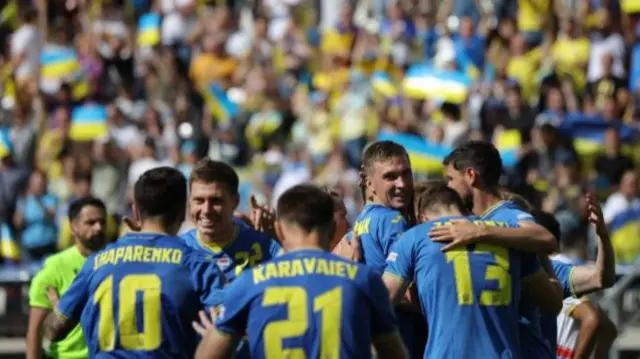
point(154, 227)
point(296, 240)
point(222, 235)
point(483, 200)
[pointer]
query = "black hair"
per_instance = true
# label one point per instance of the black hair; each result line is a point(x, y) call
point(307, 206)
point(161, 192)
point(76, 206)
point(481, 156)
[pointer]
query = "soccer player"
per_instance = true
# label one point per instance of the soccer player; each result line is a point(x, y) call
point(473, 170)
point(388, 183)
point(581, 324)
point(470, 294)
point(213, 198)
point(87, 218)
point(306, 303)
point(138, 296)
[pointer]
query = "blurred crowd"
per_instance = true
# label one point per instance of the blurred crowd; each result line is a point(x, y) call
point(94, 93)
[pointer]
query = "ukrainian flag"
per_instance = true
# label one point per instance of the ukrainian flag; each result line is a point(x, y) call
point(5, 142)
point(382, 84)
point(625, 233)
point(426, 82)
point(426, 157)
point(221, 107)
point(149, 30)
point(88, 122)
point(8, 247)
point(588, 134)
point(61, 64)
point(508, 142)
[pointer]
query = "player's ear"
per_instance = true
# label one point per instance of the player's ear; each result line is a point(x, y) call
point(236, 200)
point(470, 175)
point(277, 227)
point(136, 213)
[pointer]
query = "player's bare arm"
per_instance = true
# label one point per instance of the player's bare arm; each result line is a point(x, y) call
point(529, 237)
point(587, 315)
point(539, 288)
point(396, 286)
point(390, 346)
point(586, 278)
point(37, 318)
point(217, 345)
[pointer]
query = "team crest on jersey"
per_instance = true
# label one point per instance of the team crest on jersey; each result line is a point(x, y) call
point(392, 257)
point(224, 262)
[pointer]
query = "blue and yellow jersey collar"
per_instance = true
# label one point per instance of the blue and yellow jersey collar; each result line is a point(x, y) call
point(215, 247)
point(492, 209)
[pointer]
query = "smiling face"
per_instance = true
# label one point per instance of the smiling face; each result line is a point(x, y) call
point(391, 182)
point(211, 206)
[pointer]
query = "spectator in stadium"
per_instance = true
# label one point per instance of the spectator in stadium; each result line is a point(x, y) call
point(35, 219)
point(88, 219)
point(622, 215)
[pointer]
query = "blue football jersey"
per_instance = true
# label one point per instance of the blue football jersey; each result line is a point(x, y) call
point(378, 227)
point(310, 303)
point(248, 249)
point(137, 297)
point(533, 343)
point(469, 295)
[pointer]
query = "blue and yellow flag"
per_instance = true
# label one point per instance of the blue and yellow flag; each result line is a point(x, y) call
point(382, 84)
point(5, 142)
point(625, 231)
point(149, 30)
point(427, 157)
point(221, 107)
point(88, 122)
point(426, 82)
point(8, 247)
point(588, 134)
point(61, 64)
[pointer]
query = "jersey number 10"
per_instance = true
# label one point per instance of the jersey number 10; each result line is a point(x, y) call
point(130, 339)
point(329, 304)
point(495, 272)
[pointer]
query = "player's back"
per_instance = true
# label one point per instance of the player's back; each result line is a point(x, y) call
point(532, 340)
point(145, 290)
point(312, 302)
point(469, 296)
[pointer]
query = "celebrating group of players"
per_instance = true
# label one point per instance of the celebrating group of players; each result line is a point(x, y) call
point(464, 264)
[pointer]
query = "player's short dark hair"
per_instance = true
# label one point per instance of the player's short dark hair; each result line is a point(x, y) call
point(161, 192)
point(482, 156)
point(548, 221)
point(307, 206)
point(381, 151)
point(78, 205)
point(436, 194)
point(418, 189)
point(208, 171)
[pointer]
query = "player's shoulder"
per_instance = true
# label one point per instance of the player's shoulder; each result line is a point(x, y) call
point(246, 234)
point(189, 237)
